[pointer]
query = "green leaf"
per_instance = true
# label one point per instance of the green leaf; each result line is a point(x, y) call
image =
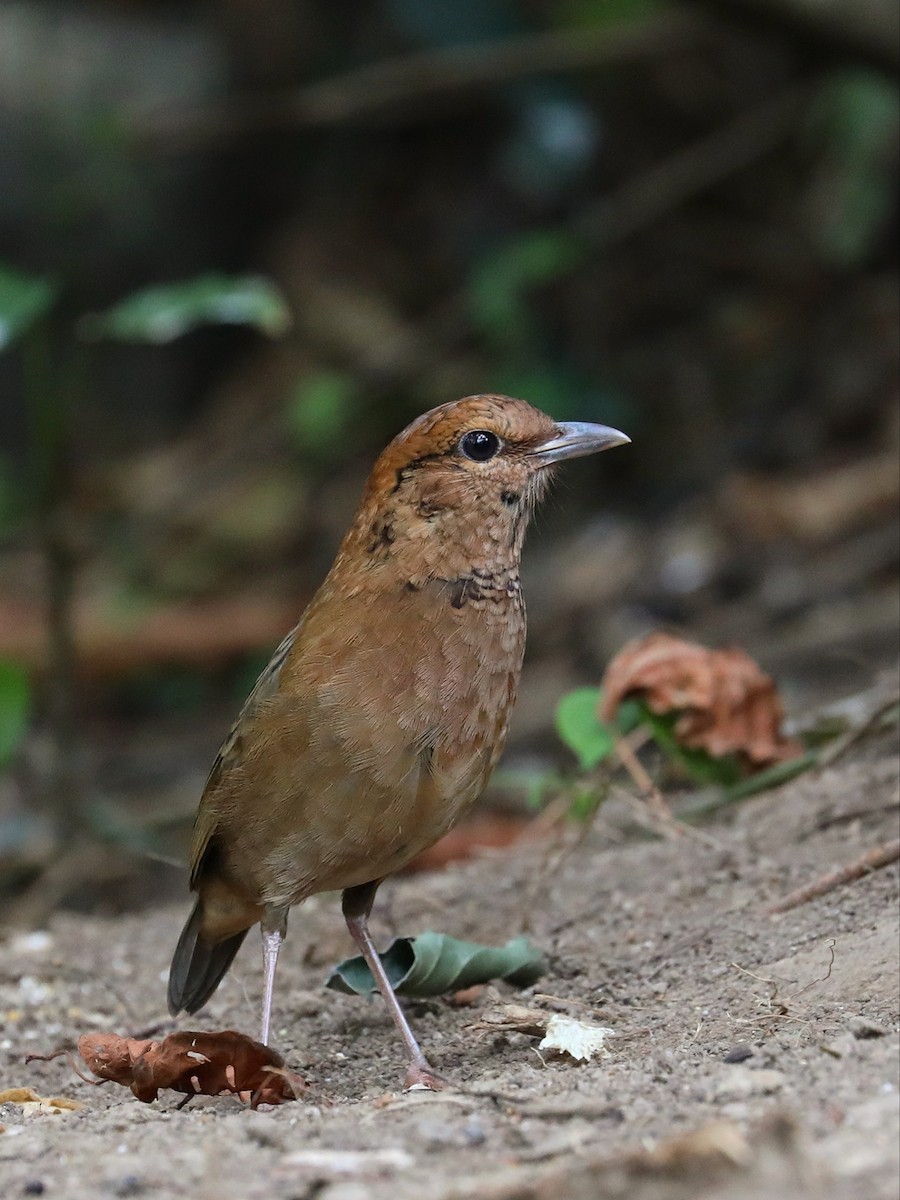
point(581, 729)
point(703, 804)
point(594, 14)
point(500, 283)
point(852, 198)
point(585, 803)
point(320, 410)
point(434, 963)
point(24, 299)
point(630, 713)
point(161, 314)
point(699, 764)
point(15, 709)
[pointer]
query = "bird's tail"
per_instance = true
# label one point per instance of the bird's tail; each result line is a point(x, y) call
point(199, 964)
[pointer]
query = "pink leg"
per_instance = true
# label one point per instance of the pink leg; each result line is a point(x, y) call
point(357, 904)
point(274, 928)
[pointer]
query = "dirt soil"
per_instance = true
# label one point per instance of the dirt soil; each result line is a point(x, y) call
point(754, 1056)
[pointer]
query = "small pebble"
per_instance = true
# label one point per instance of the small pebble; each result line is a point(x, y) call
point(129, 1185)
point(473, 1132)
point(37, 942)
point(862, 1028)
point(739, 1053)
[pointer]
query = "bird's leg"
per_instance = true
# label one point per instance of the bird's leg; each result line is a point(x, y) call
point(356, 904)
point(273, 927)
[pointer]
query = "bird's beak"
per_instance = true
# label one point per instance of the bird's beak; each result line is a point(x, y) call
point(574, 439)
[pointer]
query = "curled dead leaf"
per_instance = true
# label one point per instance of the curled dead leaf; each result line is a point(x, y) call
point(18, 1096)
point(512, 1018)
point(31, 1102)
point(726, 703)
point(195, 1064)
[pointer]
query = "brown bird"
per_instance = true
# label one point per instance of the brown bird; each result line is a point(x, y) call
point(381, 715)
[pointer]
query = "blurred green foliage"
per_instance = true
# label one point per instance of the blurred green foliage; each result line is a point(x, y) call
point(54, 377)
point(24, 300)
point(580, 728)
point(591, 14)
point(501, 283)
point(15, 709)
point(161, 314)
point(721, 780)
point(320, 411)
point(855, 126)
point(591, 740)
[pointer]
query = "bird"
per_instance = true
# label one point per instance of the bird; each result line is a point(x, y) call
point(379, 718)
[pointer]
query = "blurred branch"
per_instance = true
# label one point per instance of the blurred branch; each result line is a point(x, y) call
point(197, 634)
point(867, 30)
point(700, 165)
point(415, 78)
point(49, 400)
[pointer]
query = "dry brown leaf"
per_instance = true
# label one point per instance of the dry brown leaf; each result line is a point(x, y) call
point(31, 1102)
point(19, 1096)
point(727, 704)
point(512, 1018)
point(719, 1140)
point(196, 1064)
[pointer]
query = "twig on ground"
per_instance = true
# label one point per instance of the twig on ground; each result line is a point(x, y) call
point(851, 736)
point(564, 846)
point(880, 856)
point(662, 820)
point(650, 793)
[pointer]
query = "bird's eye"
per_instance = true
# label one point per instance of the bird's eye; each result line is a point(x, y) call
point(480, 445)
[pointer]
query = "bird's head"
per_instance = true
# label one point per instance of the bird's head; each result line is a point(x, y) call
point(462, 480)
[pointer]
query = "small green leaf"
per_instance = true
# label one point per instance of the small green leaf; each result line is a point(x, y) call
point(24, 299)
point(581, 729)
point(704, 804)
point(699, 764)
point(15, 709)
point(630, 714)
point(434, 963)
point(500, 283)
point(320, 410)
point(851, 199)
point(161, 314)
point(585, 802)
point(594, 14)
point(533, 781)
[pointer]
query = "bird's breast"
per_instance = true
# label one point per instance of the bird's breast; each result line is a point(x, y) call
point(396, 721)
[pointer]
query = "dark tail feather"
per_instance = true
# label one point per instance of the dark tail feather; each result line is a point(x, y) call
point(198, 965)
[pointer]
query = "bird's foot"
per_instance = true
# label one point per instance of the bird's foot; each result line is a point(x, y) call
point(422, 1077)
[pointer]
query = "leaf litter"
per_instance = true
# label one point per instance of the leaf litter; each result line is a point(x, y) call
point(193, 1063)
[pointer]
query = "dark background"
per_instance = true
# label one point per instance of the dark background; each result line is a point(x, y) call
point(680, 219)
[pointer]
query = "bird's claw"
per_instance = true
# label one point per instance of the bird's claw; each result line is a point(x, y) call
point(420, 1077)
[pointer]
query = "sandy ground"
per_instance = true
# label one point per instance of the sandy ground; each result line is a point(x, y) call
point(755, 1055)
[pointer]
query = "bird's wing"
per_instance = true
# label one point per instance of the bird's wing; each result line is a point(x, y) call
point(232, 749)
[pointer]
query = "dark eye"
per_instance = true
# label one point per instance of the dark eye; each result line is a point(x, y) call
point(480, 445)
